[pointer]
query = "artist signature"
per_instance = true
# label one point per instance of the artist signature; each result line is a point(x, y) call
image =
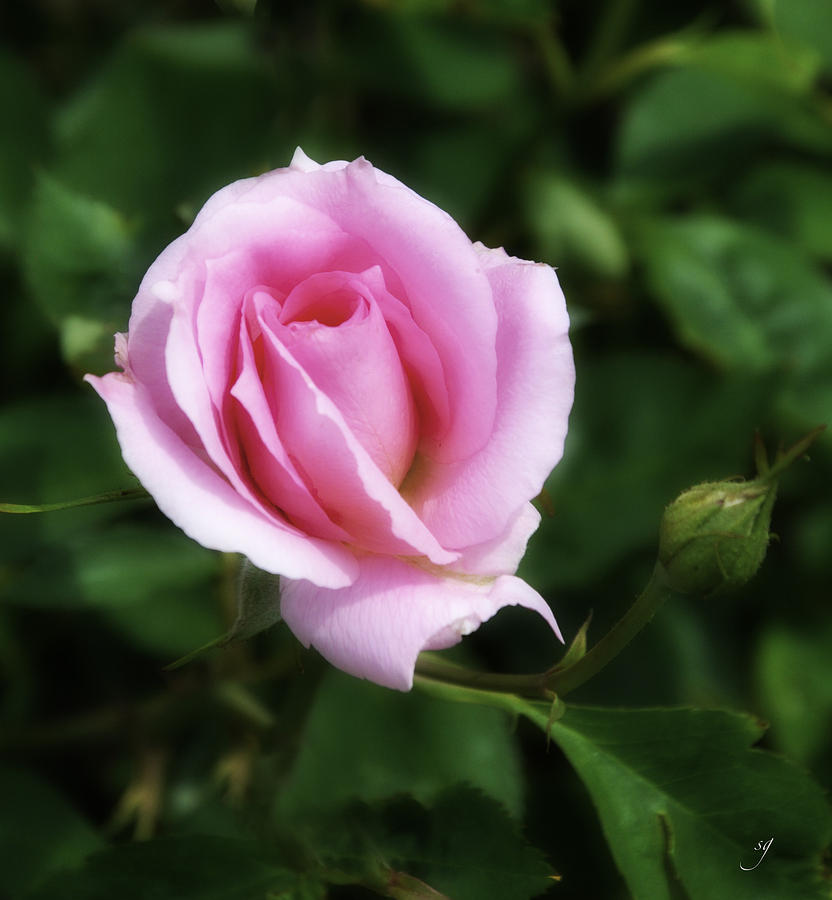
point(759, 846)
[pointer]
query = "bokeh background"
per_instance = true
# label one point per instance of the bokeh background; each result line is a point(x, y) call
point(674, 161)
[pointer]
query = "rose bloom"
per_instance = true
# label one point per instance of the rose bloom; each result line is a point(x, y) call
point(325, 375)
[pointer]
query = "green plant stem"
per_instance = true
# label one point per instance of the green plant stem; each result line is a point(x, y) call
point(556, 60)
point(607, 37)
point(178, 706)
point(434, 668)
point(616, 639)
point(557, 681)
point(617, 75)
point(107, 497)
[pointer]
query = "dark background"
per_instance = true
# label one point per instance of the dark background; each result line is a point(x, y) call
point(674, 161)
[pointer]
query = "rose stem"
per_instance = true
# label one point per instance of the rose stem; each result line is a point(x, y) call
point(543, 685)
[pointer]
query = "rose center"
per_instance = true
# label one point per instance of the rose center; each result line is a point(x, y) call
point(334, 329)
point(330, 308)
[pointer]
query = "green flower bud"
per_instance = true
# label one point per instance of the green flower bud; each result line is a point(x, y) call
point(714, 536)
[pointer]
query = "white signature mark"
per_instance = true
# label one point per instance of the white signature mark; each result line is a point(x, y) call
point(759, 846)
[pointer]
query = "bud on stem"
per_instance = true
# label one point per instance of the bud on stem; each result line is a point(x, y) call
point(713, 537)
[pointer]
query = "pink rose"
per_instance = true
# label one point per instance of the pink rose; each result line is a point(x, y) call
point(324, 374)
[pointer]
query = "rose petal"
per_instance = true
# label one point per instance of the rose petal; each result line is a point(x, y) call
point(377, 627)
point(422, 364)
point(265, 455)
point(203, 327)
point(267, 408)
point(203, 504)
point(428, 263)
point(147, 335)
point(473, 501)
point(206, 351)
point(355, 363)
point(302, 163)
point(432, 257)
point(502, 554)
point(337, 469)
point(186, 378)
point(223, 251)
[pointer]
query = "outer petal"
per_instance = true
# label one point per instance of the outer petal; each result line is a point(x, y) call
point(502, 554)
point(203, 504)
point(473, 501)
point(302, 163)
point(147, 334)
point(377, 627)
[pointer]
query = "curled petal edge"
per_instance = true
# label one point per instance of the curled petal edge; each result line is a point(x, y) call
point(376, 627)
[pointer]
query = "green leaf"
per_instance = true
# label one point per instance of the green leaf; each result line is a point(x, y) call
point(794, 676)
point(52, 447)
point(464, 846)
point(807, 21)
point(577, 648)
point(80, 265)
point(789, 200)
point(40, 833)
point(258, 608)
point(186, 868)
point(125, 140)
point(153, 584)
point(685, 125)
point(460, 165)
point(390, 743)
point(258, 603)
point(128, 161)
point(75, 248)
point(23, 142)
point(476, 852)
point(434, 62)
point(657, 443)
point(683, 800)
point(758, 59)
point(572, 228)
point(747, 302)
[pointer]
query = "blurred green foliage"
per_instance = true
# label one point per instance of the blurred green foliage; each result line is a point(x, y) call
point(674, 161)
